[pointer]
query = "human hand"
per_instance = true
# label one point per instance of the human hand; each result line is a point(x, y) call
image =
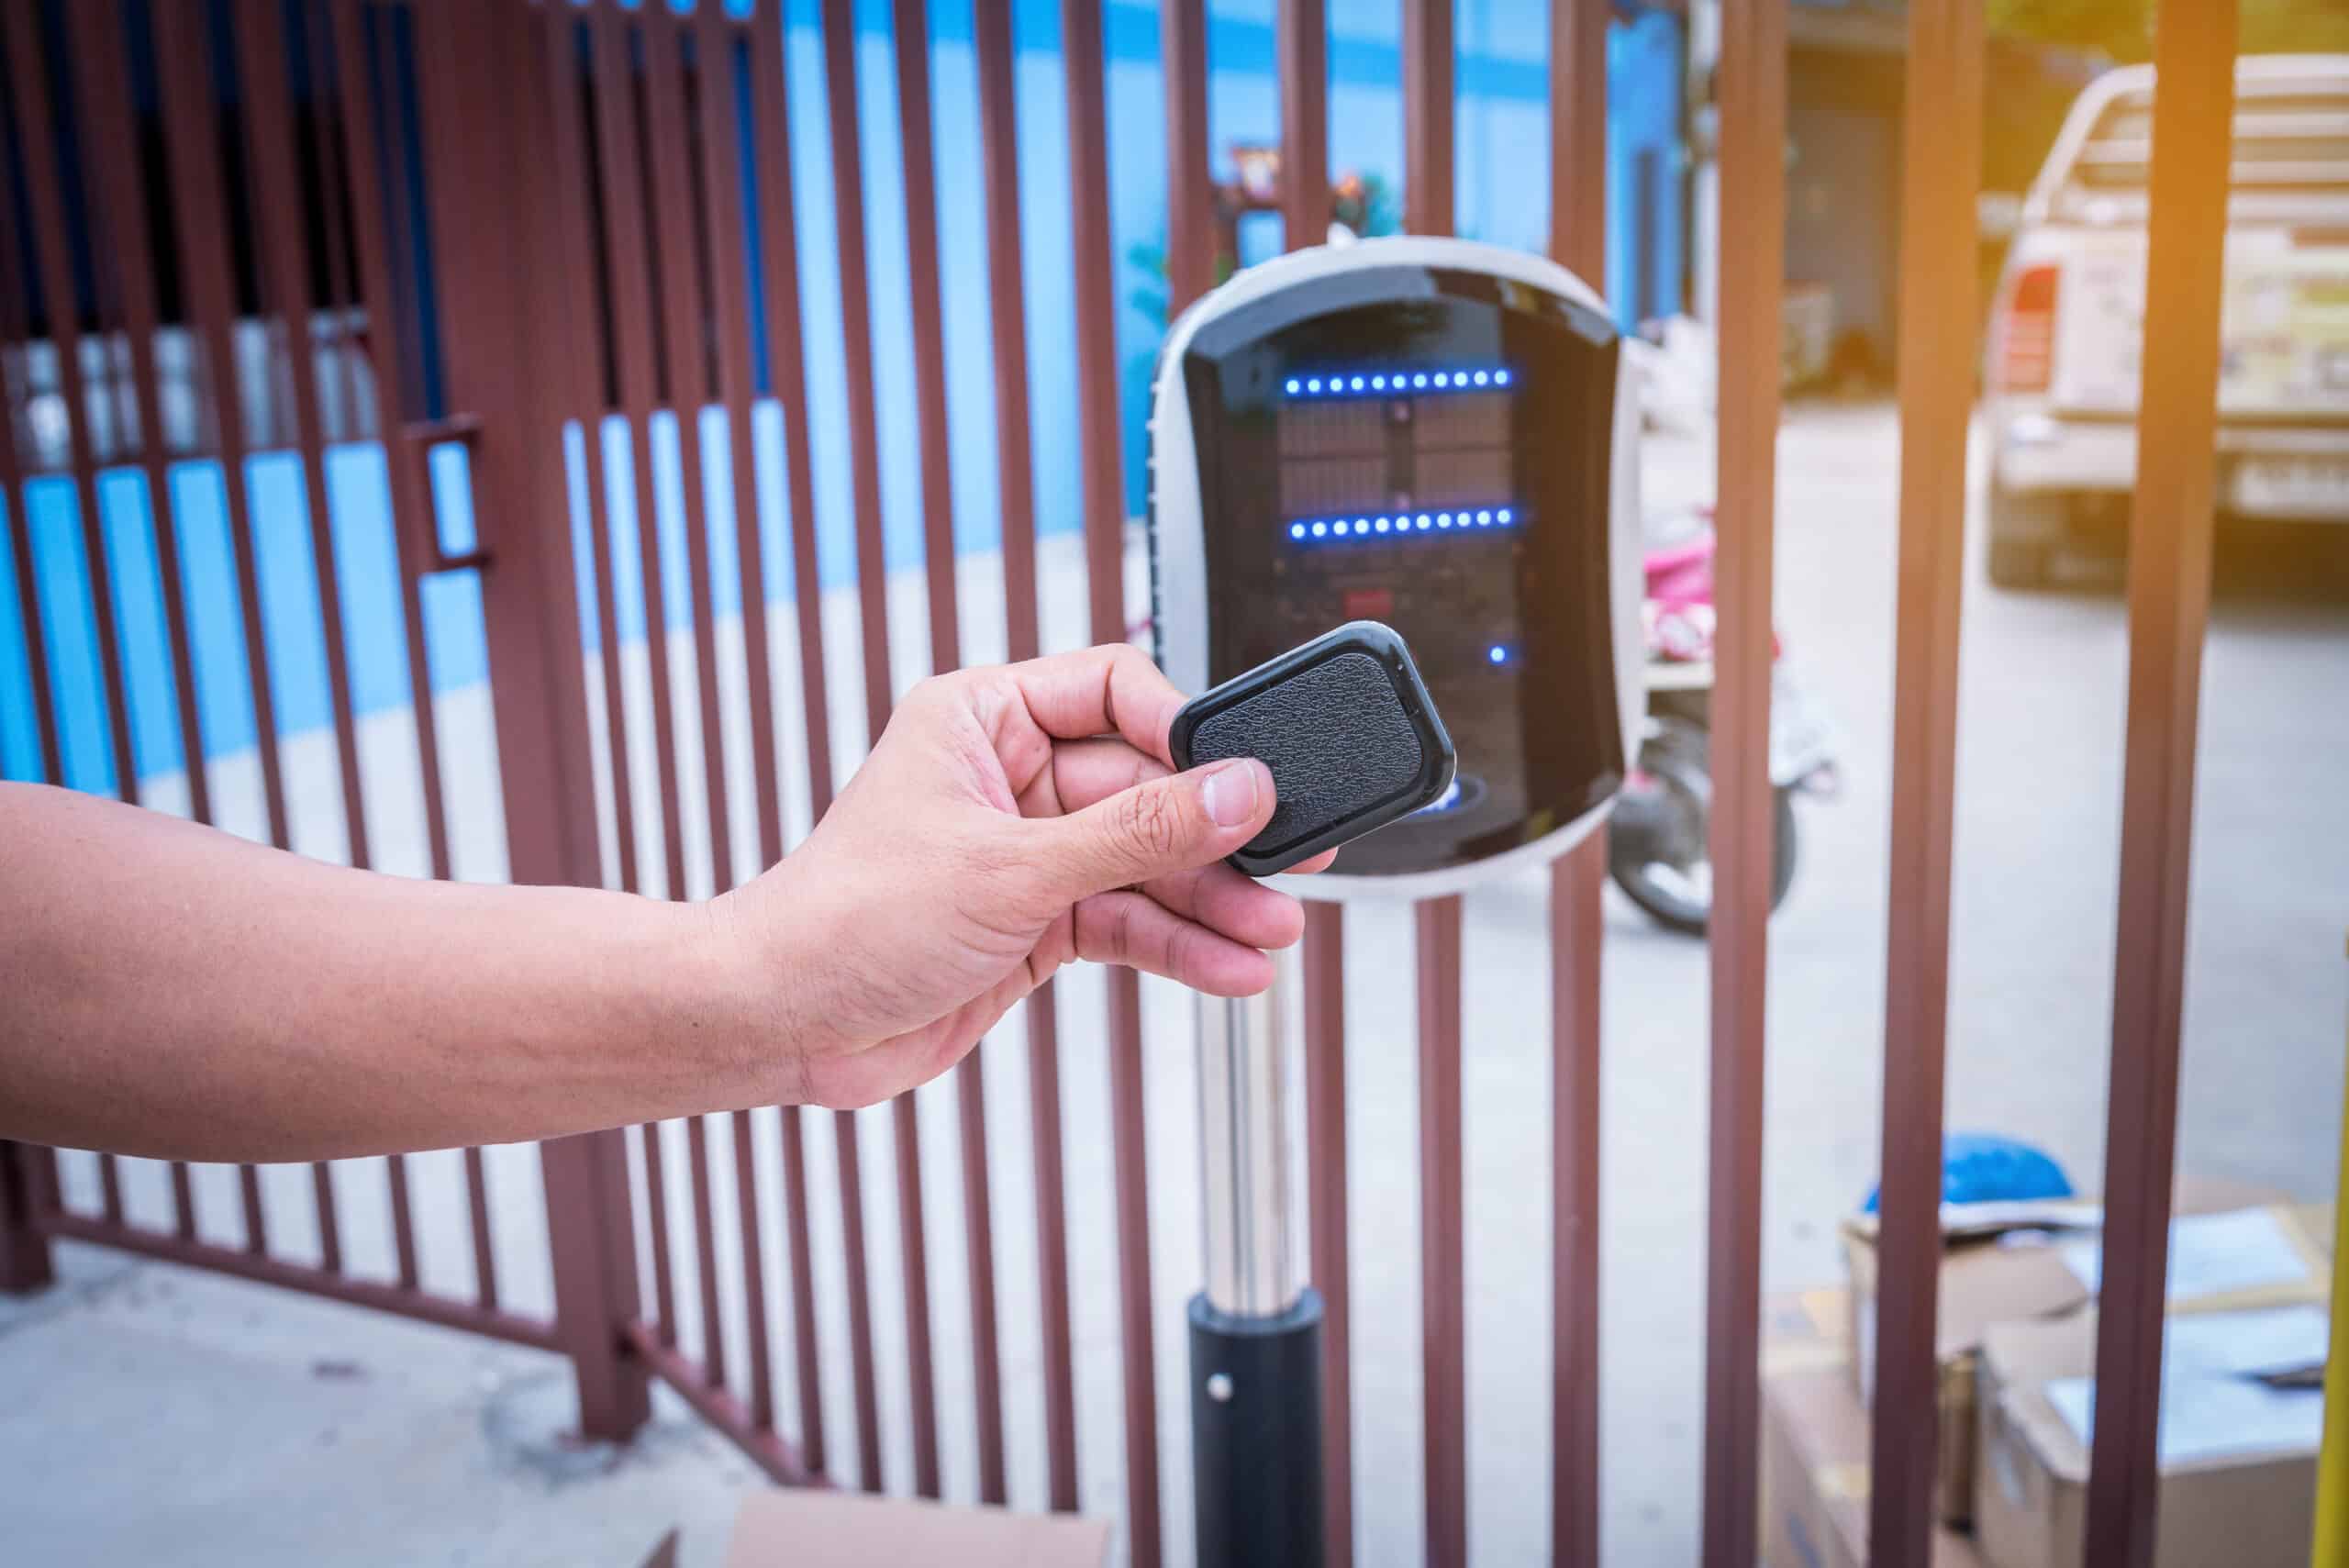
point(1009, 820)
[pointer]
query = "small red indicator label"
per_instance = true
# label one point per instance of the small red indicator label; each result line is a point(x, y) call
point(1369, 604)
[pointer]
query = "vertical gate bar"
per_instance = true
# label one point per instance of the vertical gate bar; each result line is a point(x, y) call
point(715, 40)
point(713, 1337)
point(1752, 202)
point(564, 30)
point(24, 1262)
point(477, 1212)
point(1443, 1263)
point(656, 1213)
point(269, 155)
point(403, 1223)
point(498, 232)
point(263, 72)
point(199, 210)
point(594, 1263)
point(329, 1221)
point(1427, 116)
point(632, 354)
point(910, 28)
point(1190, 196)
point(182, 1202)
point(1302, 43)
point(1007, 302)
point(16, 330)
point(102, 70)
point(787, 366)
point(1326, 1212)
point(37, 147)
point(1577, 926)
point(341, 267)
point(374, 296)
point(1427, 207)
point(910, 32)
point(2169, 602)
point(256, 1218)
point(860, 1300)
point(412, 530)
point(1105, 558)
point(779, 251)
point(200, 225)
point(669, 145)
point(838, 22)
point(978, 1210)
point(1940, 294)
point(754, 1282)
point(720, 128)
point(807, 1364)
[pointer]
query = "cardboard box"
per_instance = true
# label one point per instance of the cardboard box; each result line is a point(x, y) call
point(1815, 1474)
point(2238, 1472)
point(784, 1527)
point(2002, 1262)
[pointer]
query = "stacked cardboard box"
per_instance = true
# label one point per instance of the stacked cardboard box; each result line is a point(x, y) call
point(2015, 1347)
point(2239, 1433)
point(1815, 1443)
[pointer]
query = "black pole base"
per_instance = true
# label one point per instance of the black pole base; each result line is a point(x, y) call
point(1256, 1436)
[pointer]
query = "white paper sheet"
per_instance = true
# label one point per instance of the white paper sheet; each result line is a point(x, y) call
point(2211, 1254)
point(2246, 1344)
point(2207, 1416)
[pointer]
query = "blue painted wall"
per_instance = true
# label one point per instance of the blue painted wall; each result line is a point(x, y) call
point(1501, 174)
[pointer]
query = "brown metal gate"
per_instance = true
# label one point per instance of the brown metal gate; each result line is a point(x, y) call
point(603, 274)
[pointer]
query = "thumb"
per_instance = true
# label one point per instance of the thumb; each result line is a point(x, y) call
point(1160, 827)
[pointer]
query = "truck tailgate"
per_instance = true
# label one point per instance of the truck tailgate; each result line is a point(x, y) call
point(2285, 330)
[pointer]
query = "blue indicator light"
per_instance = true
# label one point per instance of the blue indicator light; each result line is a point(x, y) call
point(1382, 524)
point(1426, 522)
point(1293, 384)
point(1482, 378)
point(1357, 384)
point(1420, 380)
point(1500, 378)
point(1321, 528)
point(1313, 386)
point(1443, 520)
point(1378, 384)
point(1484, 519)
point(1497, 653)
point(1502, 515)
point(1442, 379)
point(1296, 530)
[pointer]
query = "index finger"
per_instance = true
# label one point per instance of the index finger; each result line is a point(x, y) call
point(1113, 689)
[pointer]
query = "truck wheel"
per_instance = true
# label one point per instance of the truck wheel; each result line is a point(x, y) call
point(2019, 563)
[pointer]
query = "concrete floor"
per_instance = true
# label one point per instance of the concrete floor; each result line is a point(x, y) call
point(152, 1413)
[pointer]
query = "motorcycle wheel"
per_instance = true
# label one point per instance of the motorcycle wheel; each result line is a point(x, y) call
point(1668, 871)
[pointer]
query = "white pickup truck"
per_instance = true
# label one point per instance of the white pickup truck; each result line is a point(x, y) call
point(2068, 325)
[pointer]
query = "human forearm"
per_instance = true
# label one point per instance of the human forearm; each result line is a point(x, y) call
point(169, 990)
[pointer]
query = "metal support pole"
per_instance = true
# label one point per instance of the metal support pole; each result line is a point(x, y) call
point(1256, 1328)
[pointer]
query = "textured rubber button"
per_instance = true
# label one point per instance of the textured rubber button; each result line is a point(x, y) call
point(1346, 726)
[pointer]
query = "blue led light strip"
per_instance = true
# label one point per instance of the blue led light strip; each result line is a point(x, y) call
point(1413, 379)
point(1432, 523)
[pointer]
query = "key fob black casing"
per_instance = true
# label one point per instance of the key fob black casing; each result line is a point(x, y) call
point(1346, 725)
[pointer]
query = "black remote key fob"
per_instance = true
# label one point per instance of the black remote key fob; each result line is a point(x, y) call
point(1345, 724)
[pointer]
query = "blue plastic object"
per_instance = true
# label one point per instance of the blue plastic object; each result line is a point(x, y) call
point(1982, 1167)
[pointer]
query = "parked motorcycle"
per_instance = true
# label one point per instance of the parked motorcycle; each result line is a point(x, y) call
point(1658, 840)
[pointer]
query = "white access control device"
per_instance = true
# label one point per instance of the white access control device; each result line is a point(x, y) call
point(1439, 436)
